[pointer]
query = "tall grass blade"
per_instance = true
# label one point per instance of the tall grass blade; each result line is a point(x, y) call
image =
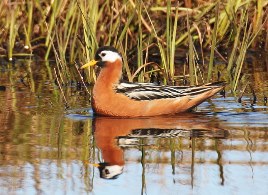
point(213, 44)
point(173, 45)
point(191, 54)
point(140, 41)
point(241, 56)
point(168, 33)
point(13, 30)
point(28, 33)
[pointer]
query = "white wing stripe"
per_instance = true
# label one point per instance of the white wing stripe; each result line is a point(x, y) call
point(150, 91)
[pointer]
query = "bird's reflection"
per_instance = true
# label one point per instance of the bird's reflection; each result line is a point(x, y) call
point(112, 133)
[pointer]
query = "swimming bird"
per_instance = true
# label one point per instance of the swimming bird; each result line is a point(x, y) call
point(114, 98)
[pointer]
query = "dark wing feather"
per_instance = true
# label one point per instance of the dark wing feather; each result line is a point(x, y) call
point(150, 91)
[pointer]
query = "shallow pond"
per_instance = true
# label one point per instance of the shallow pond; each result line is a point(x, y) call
point(222, 147)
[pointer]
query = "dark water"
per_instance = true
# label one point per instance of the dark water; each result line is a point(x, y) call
point(221, 148)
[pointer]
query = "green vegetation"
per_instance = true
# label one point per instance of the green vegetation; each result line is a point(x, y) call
point(151, 35)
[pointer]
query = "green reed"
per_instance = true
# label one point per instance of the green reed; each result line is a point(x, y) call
point(140, 41)
point(13, 29)
point(213, 44)
point(171, 32)
point(191, 56)
point(29, 27)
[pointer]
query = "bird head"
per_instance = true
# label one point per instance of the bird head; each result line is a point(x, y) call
point(110, 171)
point(104, 54)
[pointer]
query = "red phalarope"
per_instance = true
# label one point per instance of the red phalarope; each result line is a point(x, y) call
point(113, 98)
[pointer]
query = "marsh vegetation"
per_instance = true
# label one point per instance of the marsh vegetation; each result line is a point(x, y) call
point(175, 42)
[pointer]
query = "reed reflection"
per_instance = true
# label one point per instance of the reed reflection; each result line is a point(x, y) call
point(112, 134)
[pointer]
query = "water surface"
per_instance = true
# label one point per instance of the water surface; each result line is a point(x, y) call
point(222, 147)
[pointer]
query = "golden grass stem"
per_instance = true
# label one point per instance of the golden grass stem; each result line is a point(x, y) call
point(213, 44)
point(191, 54)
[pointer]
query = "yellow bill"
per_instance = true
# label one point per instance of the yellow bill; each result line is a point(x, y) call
point(91, 63)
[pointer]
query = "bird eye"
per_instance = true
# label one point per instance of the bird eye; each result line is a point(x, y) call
point(102, 54)
point(106, 171)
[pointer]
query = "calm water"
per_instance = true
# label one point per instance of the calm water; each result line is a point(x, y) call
point(221, 148)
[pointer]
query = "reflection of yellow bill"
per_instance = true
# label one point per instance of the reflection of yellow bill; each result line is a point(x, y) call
point(91, 63)
point(95, 165)
point(89, 163)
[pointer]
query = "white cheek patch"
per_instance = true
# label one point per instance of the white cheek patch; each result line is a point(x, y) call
point(111, 56)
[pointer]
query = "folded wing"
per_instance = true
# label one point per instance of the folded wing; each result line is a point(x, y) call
point(150, 91)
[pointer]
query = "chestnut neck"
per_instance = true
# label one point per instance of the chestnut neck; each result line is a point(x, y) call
point(110, 74)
